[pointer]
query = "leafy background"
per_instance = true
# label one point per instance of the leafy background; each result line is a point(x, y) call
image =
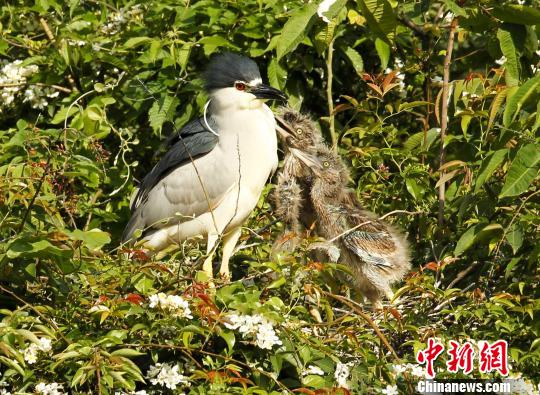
point(90, 88)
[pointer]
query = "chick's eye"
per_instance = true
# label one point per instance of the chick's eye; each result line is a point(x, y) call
point(326, 164)
point(299, 131)
point(240, 86)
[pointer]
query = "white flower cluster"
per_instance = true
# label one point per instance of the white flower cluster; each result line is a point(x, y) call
point(415, 370)
point(141, 392)
point(36, 95)
point(174, 304)
point(343, 370)
point(117, 20)
point(390, 390)
point(49, 389)
point(254, 326)
point(13, 78)
point(31, 352)
point(167, 375)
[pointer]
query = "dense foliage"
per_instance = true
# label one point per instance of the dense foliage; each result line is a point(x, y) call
point(90, 88)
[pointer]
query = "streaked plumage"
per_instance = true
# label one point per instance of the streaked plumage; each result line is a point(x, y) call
point(376, 253)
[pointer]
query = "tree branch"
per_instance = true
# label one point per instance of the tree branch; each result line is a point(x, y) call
point(444, 114)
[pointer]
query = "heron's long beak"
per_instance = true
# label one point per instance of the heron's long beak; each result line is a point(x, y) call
point(263, 91)
point(311, 161)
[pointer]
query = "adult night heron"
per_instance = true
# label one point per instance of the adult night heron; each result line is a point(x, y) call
point(375, 252)
point(213, 174)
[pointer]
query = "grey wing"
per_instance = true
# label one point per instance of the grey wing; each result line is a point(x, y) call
point(192, 142)
point(374, 248)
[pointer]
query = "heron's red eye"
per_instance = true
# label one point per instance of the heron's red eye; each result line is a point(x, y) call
point(240, 86)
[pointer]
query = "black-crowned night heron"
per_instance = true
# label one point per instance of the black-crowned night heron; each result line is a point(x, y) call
point(375, 252)
point(213, 174)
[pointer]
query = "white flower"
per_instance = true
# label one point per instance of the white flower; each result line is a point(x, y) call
point(449, 17)
point(49, 389)
point(417, 370)
point(501, 61)
point(324, 7)
point(4, 392)
point(254, 326)
point(266, 336)
point(312, 369)
point(342, 374)
point(31, 352)
point(398, 369)
point(390, 390)
point(45, 344)
point(398, 63)
point(167, 375)
point(174, 304)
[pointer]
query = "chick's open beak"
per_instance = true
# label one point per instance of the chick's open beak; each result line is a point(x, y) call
point(311, 161)
point(284, 129)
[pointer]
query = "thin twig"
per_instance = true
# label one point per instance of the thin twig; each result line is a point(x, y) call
point(15, 84)
point(358, 310)
point(444, 114)
point(371, 221)
point(462, 274)
point(49, 321)
point(329, 99)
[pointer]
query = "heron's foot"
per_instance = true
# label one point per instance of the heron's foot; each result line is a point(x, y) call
point(225, 276)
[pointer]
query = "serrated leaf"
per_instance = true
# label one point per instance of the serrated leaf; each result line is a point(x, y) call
point(355, 58)
point(499, 99)
point(161, 111)
point(295, 29)
point(489, 165)
point(277, 75)
point(519, 14)
point(515, 237)
point(380, 18)
point(523, 171)
point(508, 48)
point(383, 50)
point(515, 102)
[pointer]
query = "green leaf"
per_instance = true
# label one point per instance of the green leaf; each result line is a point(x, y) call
point(508, 48)
point(94, 238)
point(519, 14)
point(295, 29)
point(277, 75)
point(383, 50)
point(355, 58)
point(474, 235)
point(380, 18)
point(161, 111)
point(136, 42)
point(489, 165)
point(515, 237)
point(519, 98)
point(523, 171)
point(499, 99)
point(127, 352)
point(229, 338)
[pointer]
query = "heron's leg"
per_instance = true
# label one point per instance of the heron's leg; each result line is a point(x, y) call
point(210, 244)
point(229, 242)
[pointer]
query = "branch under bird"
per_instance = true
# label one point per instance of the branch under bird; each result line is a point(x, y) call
point(212, 176)
point(376, 253)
